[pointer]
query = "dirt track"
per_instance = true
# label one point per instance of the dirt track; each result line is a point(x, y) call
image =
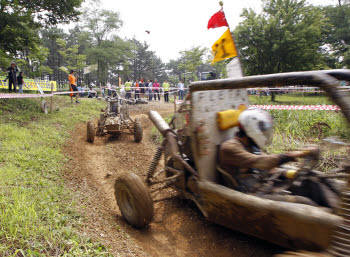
point(178, 228)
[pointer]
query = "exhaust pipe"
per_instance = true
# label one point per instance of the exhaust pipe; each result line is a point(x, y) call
point(159, 122)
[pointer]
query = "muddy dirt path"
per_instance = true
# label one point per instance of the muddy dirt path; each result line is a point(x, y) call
point(178, 228)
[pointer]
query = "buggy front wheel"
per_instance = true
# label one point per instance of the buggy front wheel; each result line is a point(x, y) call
point(90, 132)
point(134, 200)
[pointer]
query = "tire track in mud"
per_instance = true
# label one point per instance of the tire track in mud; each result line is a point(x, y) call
point(178, 228)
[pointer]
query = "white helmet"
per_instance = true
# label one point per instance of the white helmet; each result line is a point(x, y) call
point(258, 126)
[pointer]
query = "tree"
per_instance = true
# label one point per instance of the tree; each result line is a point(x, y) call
point(101, 24)
point(49, 37)
point(175, 69)
point(338, 34)
point(285, 37)
point(32, 63)
point(144, 63)
point(20, 20)
point(113, 58)
point(190, 60)
point(71, 57)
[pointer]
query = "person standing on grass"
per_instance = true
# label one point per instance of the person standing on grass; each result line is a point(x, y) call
point(127, 88)
point(12, 76)
point(20, 82)
point(142, 88)
point(156, 90)
point(150, 90)
point(137, 89)
point(145, 85)
point(166, 87)
point(181, 87)
point(73, 86)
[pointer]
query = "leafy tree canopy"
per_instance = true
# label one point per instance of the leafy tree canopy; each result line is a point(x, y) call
point(286, 36)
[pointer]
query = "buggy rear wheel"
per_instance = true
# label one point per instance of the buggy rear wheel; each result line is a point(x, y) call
point(138, 131)
point(134, 200)
point(90, 132)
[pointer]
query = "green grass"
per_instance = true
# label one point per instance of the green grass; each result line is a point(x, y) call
point(38, 215)
point(299, 124)
point(290, 99)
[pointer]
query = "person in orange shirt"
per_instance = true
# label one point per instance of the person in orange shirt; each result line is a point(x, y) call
point(137, 90)
point(73, 85)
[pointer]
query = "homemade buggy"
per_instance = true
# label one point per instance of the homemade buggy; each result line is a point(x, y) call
point(190, 149)
point(115, 120)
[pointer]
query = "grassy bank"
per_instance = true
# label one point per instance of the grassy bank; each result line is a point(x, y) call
point(301, 124)
point(290, 99)
point(297, 129)
point(37, 214)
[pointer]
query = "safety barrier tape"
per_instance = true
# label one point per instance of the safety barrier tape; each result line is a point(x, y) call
point(11, 96)
point(265, 107)
point(293, 90)
point(179, 101)
point(298, 107)
point(19, 95)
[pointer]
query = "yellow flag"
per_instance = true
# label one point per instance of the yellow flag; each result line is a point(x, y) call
point(224, 47)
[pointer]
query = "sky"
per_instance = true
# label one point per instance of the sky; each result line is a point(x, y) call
point(177, 25)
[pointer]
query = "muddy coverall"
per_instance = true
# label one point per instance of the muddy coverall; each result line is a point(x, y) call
point(247, 167)
point(246, 164)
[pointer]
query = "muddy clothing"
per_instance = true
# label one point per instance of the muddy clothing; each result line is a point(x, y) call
point(247, 164)
point(248, 167)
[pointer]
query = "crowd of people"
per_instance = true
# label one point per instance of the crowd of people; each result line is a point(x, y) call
point(152, 89)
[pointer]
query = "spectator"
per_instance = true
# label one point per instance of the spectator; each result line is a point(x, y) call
point(142, 87)
point(156, 90)
point(127, 88)
point(150, 90)
point(122, 90)
point(145, 85)
point(108, 87)
point(166, 88)
point(20, 82)
point(137, 90)
point(73, 86)
point(181, 87)
point(12, 76)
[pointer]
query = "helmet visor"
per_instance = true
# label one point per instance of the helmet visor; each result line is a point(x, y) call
point(266, 129)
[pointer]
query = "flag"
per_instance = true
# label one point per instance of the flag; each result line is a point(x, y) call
point(217, 20)
point(224, 47)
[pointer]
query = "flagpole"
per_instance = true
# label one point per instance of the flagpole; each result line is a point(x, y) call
point(221, 3)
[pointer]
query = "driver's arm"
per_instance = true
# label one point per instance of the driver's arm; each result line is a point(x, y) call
point(233, 154)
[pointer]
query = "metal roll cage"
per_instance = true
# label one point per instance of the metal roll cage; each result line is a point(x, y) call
point(328, 80)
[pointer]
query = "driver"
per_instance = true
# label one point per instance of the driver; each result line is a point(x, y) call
point(242, 156)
